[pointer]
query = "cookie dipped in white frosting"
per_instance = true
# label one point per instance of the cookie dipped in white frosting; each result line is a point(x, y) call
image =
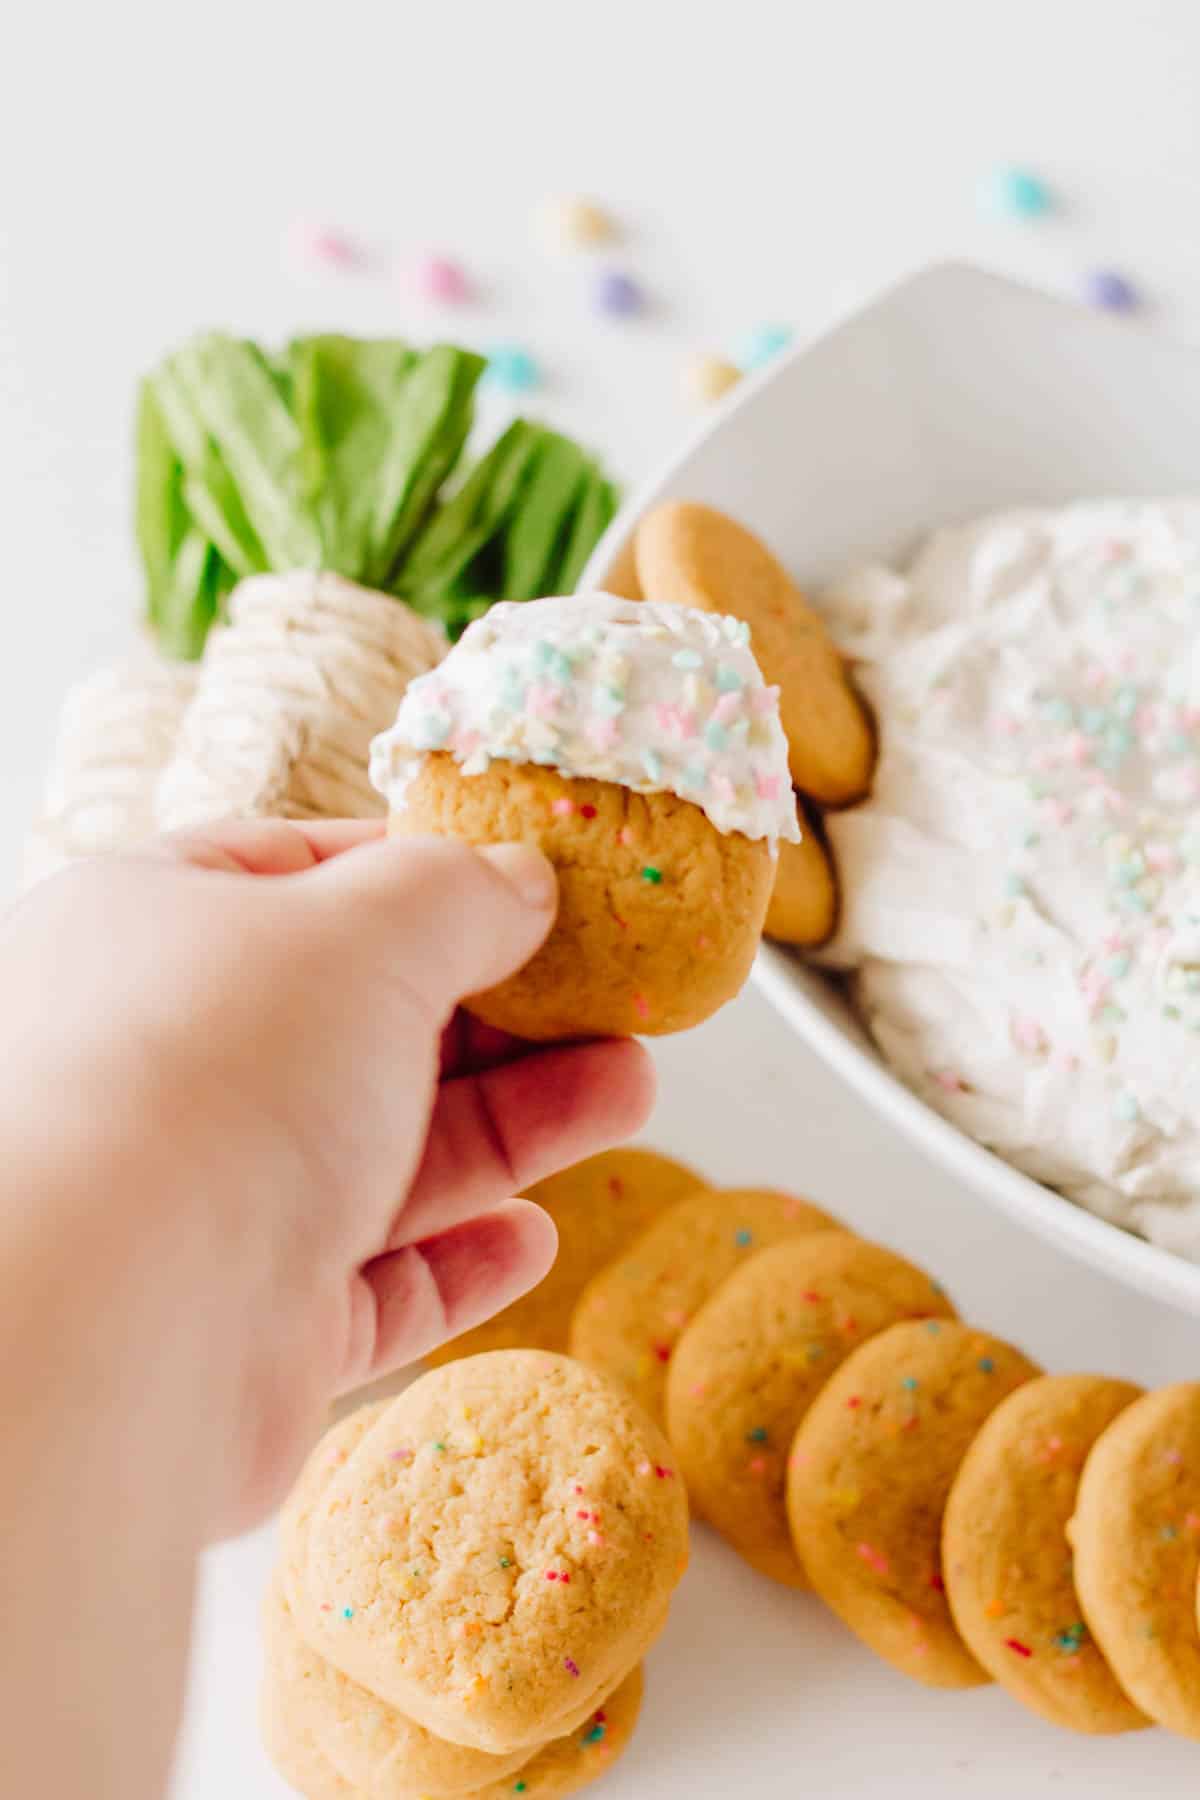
point(659, 699)
point(1021, 893)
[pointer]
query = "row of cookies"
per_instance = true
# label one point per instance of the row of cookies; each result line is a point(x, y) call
point(469, 1578)
point(693, 555)
point(842, 1429)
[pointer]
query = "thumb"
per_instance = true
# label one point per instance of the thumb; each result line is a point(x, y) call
point(451, 919)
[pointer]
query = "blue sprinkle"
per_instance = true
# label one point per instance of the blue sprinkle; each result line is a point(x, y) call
point(1119, 966)
point(911, 1383)
point(608, 701)
point(715, 736)
point(1125, 701)
point(696, 776)
point(986, 1364)
point(1059, 712)
point(757, 1436)
point(1015, 192)
point(551, 660)
point(688, 659)
point(652, 763)
point(1093, 720)
point(347, 1612)
point(761, 345)
point(1126, 1108)
point(1170, 1532)
point(1110, 290)
point(742, 1238)
point(1014, 886)
point(617, 294)
point(431, 732)
point(511, 368)
point(728, 680)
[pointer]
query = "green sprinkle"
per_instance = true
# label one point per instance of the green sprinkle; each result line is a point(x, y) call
point(652, 875)
point(987, 1365)
point(1125, 701)
point(1031, 840)
point(594, 1735)
point(911, 1383)
point(519, 1787)
point(1126, 1108)
point(743, 1238)
point(728, 680)
point(715, 735)
point(438, 1446)
point(506, 1562)
point(1014, 886)
point(1058, 712)
point(932, 1327)
point(1070, 1641)
point(687, 659)
point(1093, 719)
point(1172, 1012)
point(1119, 966)
point(757, 1436)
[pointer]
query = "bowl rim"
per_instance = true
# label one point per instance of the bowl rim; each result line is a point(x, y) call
point(1111, 1249)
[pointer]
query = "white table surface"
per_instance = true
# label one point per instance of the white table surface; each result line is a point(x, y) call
point(771, 162)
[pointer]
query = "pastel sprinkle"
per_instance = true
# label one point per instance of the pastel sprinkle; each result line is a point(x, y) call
point(1109, 290)
point(440, 279)
point(617, 294)
point(1015, 192)
point(506, 1562)
point(512, 369)
point(874, 1559)
point(1126, 1108)
point(743, 1238)
point(652, 763)
point(986, 1365)
point(563, 806)
point(347, 1612)
point(728, 680)
point(688, 659)
point(910, 1383)
point(715, 735)
point(757, 1436)
point(594, 1735)
point(761, 346)
point(1070, 1640)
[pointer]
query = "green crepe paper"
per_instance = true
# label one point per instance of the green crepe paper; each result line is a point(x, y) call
point(331, 454)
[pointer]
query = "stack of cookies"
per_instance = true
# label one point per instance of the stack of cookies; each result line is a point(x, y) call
point(968, 1517)
point(470, 1576)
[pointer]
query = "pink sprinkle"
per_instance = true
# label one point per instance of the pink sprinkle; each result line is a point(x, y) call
point(440, 279)
point(465, 743)
point(1192, 1522)
point(1113, 941)
point(1067, 1061)
point(320, 245)
point(1078, 747)
point(542, 700)
point(1096, 677)
point(763, 700)
point(582, 1514)
point(723, 788)
point(953, 1084)
point(641, 1006)
point(1161, 857)
point(726, 709)
point(1006, 725)
point(757, 1464)
point(664, 1474)
point(1044, 759)
point(1057, 812)
point(698, 1390)
point(1114, 799)
point(602, 732)
point(766, 786)
point(874, 1559)
point(404, 1454)
point(1145, 720)
point(570, 1665)
point(325, 1606)
point(563, 806)
point(594, 1538)
point(1028, 1034)
point(578, 1488)
point(1016, 1645)
point(625, 835)
point(674, 720)
point(645, 1468)
point(1172, 1456)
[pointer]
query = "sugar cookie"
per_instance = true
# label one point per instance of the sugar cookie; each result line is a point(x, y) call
point(630, 1317)
point(1136, 1538)
point(695, 556)
point(752, 1360)
point(804, 899)
point(868, 1476)
point(1005, 1557)
point(599, 1207)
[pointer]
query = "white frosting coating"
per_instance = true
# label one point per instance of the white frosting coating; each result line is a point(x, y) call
point(1021, 893)
point(660, 699)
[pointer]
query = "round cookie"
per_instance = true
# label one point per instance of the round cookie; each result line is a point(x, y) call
point(637, 746)
point(599, 1207)
point(1005, 1557)
point(560, 1768)
point(497, 1551)
point(370, 1745)
point(1136, 1538)
point(804, 900)
point(327, 1456)
point(751, 1362)
point(630, 1317)
point(868, 1477)
point(695, 556)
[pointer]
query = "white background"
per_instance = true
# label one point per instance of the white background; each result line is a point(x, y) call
point(771, 161)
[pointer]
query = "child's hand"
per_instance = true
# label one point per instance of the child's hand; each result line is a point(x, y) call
point(297, 1148)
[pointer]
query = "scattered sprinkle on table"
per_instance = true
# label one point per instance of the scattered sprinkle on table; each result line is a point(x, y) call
point(707, 377)
point(440, 279)
point(322, 246)
point(511, 368)
point(572, 222)
point(617, 294)
point(761, 346)
point(1014, 192)
point(1110, 291)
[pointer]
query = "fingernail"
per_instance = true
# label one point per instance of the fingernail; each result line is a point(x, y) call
point(527, 873)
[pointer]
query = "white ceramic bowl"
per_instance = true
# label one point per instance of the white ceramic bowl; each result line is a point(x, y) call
point(955, 394)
